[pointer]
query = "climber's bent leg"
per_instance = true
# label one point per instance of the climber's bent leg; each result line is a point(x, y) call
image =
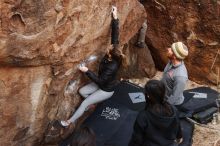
point(88, 89)
point(94, 98)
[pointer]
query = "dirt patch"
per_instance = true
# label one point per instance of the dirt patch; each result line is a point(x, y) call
point(206, 136)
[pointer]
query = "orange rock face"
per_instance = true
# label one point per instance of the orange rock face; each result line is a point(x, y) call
point(41, 44)
point(197, 24)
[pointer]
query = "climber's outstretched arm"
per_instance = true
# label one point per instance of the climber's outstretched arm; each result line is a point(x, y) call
point(115, 27)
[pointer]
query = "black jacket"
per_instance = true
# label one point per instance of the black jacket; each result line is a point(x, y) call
point(151, 129)
point(106, 79)
point(115, 31)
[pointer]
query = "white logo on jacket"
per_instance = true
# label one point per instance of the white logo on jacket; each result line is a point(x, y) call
point(110, 113)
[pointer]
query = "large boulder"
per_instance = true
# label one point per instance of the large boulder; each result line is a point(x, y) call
point(197, 24)
point(41, 44)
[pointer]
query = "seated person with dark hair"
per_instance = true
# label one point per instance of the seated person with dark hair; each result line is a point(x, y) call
point(158, 124)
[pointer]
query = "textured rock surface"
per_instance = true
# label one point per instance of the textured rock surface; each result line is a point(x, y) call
point(44, 32)
point(138, 62)
point(23, 100)
point(41, 44)
point(196, 23)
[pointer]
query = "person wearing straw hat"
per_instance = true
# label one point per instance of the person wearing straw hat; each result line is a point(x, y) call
point(175, 74)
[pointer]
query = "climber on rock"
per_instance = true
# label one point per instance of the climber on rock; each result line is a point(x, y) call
point(102, 86)
point(175, 74)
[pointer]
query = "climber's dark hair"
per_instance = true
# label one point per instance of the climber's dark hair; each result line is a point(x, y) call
point(84, 136)
point(155, 93)
point(116, 54)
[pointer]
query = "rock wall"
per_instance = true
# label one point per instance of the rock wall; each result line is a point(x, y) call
point(196, 23)
point(41, 44)
point(138, 62)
